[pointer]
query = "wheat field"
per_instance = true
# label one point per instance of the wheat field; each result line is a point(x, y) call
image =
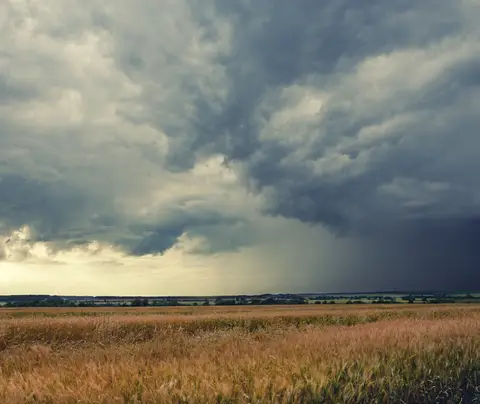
point(276, 354)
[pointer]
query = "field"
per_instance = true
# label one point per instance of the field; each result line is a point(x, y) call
point(268, 354)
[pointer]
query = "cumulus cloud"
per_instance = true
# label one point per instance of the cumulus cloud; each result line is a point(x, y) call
point(378, 111)
point(97, 102)
point(194, 124)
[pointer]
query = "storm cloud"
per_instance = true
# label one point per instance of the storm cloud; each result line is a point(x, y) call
point(137, 126)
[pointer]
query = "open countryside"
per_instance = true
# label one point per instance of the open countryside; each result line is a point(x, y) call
point(425, 353)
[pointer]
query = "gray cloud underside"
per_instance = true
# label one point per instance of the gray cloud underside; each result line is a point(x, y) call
point(359, 116)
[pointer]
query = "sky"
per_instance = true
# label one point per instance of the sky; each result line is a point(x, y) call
point(202, 147)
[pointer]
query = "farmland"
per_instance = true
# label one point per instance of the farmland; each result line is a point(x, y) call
point(245, 354)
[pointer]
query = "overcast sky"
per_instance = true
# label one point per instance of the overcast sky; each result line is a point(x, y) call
point(237, 146)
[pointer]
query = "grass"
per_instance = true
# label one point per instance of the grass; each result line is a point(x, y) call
point(272, 354)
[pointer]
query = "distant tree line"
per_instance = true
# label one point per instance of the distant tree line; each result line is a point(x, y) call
point(56, 301)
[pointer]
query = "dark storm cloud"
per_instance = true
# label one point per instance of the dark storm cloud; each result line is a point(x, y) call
point(358, 116)
point(324, 43)
point(278, 43)
point(398, 168)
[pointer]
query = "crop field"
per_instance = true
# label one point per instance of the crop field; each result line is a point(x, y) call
point(268, 354)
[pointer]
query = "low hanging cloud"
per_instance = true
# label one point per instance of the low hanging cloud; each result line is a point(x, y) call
point(137, 126)
point(359, 125)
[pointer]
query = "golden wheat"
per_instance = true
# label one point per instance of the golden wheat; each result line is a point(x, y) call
point(252, 355)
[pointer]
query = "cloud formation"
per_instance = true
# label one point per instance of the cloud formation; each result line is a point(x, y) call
point(361, 124)
point(140, 127)
point(83, 156)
